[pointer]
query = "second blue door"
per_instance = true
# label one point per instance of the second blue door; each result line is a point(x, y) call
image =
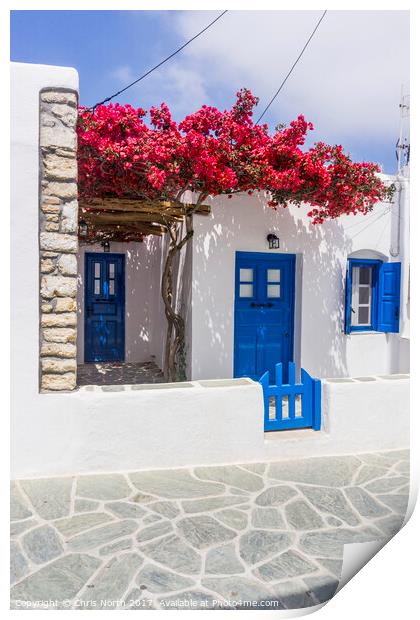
point(104, 307)
point(264, 310)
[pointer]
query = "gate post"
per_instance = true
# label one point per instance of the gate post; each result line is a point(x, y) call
point(265, 381)
point(317, 404)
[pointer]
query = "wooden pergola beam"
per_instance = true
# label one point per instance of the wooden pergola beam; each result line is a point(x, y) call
point(128, 217)
point(122, 217)
point(123, 204)
point(141, 228)
point(131, 214)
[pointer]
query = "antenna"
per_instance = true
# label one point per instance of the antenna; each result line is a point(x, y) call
point(402, 148)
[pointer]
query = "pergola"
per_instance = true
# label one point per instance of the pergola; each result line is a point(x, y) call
point(123, 219)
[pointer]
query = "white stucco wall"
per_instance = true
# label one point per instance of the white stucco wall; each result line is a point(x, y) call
point(242, 224)
point(145, 322)
point(173, 425)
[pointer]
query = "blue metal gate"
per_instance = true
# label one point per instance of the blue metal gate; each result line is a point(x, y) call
point(291, 405)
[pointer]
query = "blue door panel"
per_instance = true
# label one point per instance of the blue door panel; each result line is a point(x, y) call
point(104, 307)
point(245, 352)
point(264, 308)
point(273, 349)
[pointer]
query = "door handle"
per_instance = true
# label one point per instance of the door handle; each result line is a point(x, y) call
point(268, 305)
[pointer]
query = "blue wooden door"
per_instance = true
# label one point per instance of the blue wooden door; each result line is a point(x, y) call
point(264, 309)
point(104, 307)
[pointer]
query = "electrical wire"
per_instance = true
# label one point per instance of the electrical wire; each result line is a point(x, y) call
point(370, 224)
point(387, 223)
point(160, 63)
point(365, 219)
point(293, 66)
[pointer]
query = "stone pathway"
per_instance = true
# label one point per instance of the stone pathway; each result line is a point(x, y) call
point(119, 373)
point(266, 535)
point(272, 412)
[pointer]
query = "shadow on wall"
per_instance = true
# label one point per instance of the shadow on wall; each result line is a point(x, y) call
point(141, 302)
point(144, 308)
point(242, 224)
point(325, 249)
point(213, 297)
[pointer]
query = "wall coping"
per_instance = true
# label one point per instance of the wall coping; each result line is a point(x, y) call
point(367, 379)
point(144, 387)
point(226, 383)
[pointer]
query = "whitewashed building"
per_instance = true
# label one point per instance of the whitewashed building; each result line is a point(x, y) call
point(319, 341)
point(246, 307)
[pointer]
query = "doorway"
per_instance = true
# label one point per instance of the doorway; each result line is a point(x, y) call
point(264, 313)
point(104, 307)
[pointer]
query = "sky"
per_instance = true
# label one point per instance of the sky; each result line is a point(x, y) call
point(348, 82)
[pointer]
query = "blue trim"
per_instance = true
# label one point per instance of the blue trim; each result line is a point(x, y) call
point(389, 291)
point(265, 255)
point(362, 262)
point(347, 310)
point(88, 357)
point(316, 403)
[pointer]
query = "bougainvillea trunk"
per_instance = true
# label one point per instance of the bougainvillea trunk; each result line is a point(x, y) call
point(174, 368)
point(167, 296)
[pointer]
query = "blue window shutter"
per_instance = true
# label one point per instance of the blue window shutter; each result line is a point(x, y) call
point(389, 297)
point(347, 306)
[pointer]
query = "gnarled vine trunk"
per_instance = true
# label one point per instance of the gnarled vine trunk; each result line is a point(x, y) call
point(174, 369)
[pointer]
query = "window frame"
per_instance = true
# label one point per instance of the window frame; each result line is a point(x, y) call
point(375, 264)
point(252, 282)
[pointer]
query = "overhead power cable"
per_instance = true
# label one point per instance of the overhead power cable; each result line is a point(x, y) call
point(293, 66)
point(160, 63)
point(370, 223)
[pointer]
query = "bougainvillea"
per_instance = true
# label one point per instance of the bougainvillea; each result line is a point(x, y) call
point(212, 152)
point(215, 152)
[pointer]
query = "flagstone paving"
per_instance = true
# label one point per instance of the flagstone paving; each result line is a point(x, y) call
point(265, 535)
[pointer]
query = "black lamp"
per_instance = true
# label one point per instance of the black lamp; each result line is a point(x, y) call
point(273, 241)
point(105, 245)
point(83, 228)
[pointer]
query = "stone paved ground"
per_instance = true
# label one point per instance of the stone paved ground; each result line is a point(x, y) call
point(268, 533)
point(119, 373)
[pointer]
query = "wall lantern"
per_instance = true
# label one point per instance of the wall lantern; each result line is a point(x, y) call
point(105, 245)
point(273, 241)
point(83, 228)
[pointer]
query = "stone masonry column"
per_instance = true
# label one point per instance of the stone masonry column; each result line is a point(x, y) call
point(58, 240)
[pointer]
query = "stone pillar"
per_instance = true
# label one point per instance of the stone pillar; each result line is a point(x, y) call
point(58, 240)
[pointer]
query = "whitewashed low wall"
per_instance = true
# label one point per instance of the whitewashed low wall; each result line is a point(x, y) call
point(160, 426)
point(368, 414)
point(371, 413)
point(209, 422)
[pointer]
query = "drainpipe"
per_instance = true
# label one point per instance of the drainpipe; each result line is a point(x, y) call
point(400, 245)
point(394, 249)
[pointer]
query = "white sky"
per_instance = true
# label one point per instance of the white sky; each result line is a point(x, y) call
point(348, 82)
